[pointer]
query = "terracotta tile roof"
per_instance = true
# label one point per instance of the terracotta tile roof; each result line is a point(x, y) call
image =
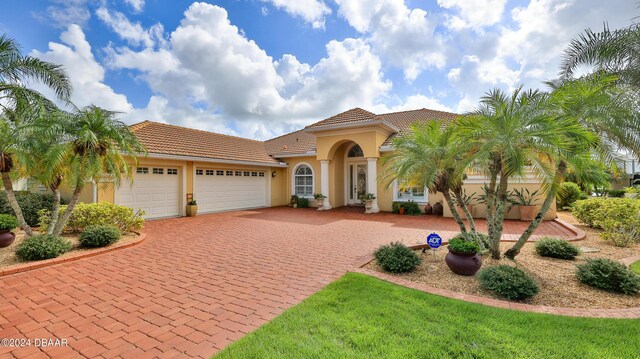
point(404, 119)
point(298, 142)
point(175, 140)
point(355, 115)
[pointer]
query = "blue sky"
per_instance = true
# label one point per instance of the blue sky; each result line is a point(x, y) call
point(260, 68)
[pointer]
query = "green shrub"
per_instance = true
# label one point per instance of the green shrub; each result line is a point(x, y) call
point(621, 232)
point(303, 202)
point(616, 193)
point(482, 239)
point(508, 282)
point(101, 213)
point(460, 245)
point(42, 247)
point(556, 248)
point(8, 222)
point(568, 193)
point(594, 211)
point(609, 275)
point(396, 258)
point(30, 204)
point(99, 236)
point(410, 208)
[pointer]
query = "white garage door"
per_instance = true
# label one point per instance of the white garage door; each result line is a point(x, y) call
point(225, 189)
point(155, 190)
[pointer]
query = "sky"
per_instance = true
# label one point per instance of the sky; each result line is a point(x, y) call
point(261, 68)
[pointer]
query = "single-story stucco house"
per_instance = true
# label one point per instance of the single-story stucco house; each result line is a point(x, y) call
point(338, 157)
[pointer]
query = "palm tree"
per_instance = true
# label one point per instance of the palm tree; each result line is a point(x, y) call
point(613, 52)
point(591, 113)
point(509, 134)
point(99, 146)
point(429, 156)
point(19, 105)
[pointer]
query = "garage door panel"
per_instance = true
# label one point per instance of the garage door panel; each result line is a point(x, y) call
point(223, 193)
point(156, 194)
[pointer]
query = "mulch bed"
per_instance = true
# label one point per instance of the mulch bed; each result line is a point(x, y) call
point(556, 278)
point(8, 257)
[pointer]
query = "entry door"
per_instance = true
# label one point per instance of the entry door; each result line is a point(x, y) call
point(357, 173)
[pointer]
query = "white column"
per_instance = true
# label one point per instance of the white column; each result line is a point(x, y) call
point(324, 184)
point(372, 182)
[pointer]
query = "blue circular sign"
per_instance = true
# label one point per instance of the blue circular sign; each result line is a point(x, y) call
point(434, 241)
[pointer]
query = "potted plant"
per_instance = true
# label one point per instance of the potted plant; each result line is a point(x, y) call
point(525, 201)
point(367, 200)
point(319, 197)
point(7, 223)
point(192, 208)
point(294, 201)
point(463, 258)
point(438, 209)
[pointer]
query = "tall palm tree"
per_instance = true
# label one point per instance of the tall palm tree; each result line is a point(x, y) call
point(510, 135)
point(595, 116)
point(99, 147)
point(429, 156)
point(613, 52)
point(20, 104)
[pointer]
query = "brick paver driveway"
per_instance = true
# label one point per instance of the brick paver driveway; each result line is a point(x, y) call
point(196, 284)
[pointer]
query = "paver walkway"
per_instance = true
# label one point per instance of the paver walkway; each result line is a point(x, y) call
point(197, 284)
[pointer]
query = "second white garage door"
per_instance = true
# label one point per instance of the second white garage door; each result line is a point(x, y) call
point(155, 190)
point(225, 189)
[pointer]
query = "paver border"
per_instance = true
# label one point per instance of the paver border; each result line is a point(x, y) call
point(24, 267)
point(619, 313)
point(630, 260)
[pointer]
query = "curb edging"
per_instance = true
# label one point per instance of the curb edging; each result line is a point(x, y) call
point(24, 267)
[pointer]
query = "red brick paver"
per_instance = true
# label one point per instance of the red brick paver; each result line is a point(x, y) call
point(197, 284)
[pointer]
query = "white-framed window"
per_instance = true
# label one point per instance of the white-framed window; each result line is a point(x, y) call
point(303, 181)
point(403, 191)
point(142, 170)
point(254, 174)
point(172, 171)
point(199, 172)
point(238, 173)
point(260, 174)
point(158, 171)
point(210, 172)
point(219, 173)
point(229, 173)
point(246, 173)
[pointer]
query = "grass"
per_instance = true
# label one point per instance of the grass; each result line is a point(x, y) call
point(635, 266)
point(362, 317)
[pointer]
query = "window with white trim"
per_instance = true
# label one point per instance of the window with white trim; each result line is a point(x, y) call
point(403, 191)
point(199, 172)
point(209, 172)
point(158, 171)
point(229, 173)
point(142, 170)
point(246, 173)
point(172, 171)
point(238, 173)
point(260, 174)
point(303, 181)
point(219, 173)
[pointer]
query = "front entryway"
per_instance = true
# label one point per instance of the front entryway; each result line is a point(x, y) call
point(356, 181)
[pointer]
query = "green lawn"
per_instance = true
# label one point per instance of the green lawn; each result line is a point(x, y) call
point(362, 317)
point(635, 266)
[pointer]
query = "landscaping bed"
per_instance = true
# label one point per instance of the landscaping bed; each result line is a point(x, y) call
point(556, 278)
point(8, 254)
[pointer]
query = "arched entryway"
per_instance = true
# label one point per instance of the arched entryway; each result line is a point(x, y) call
point(355, 171)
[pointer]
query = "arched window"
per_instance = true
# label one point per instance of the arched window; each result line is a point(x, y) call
point(303, 181)
point(355, 151)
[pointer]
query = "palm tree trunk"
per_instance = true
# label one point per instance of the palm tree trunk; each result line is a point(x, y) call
point(11, 197)
point(454, 213)
point(55, 211)
point(551, 196)
point(499, 216)
point(491, 203)
point(62, 222)
point(465, 210)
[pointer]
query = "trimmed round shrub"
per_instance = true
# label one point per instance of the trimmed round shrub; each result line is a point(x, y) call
point(99, 236)
point(460, 245)
point(396, 258)
point(8, 222)
point(568, 193)
point(609, 275)
point(42, 247)
point(508, 282)
point(556, 248)
point(616, 193)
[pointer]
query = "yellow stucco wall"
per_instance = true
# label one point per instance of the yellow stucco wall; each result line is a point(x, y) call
point(106, 192)
point(279, 187)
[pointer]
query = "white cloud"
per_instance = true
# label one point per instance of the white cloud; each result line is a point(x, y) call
point(473, 14)
point(413, 102)
point(311, 11)
point(85, 73)
point(133, 33)
point(136, 5)
point(62, 13)
point(405, 38)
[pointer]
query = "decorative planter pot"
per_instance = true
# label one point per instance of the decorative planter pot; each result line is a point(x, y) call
point(295, 205)
point(367, 205)
point(192, 210)
point(319, 202)
point(6, 238)
point(401, 210)
point(461, 211)
point(463, 263)
point(438, 209)
point(528, 213)
point(428, 209)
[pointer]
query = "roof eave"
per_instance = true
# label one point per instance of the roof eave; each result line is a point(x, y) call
point(381, 123)
point(213, 160)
